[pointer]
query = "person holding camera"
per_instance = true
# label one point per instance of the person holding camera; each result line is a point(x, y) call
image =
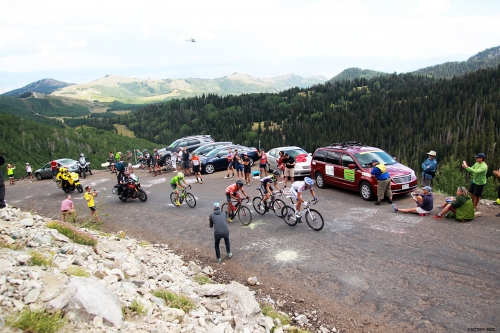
point(424, 201)
point(89, 196)
point(478, 183)
point(10, 173)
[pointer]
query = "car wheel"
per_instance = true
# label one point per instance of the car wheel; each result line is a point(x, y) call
point(366, 191)
point(320, 181)
point(209, 168)
point(251, 162)
point(39, 176)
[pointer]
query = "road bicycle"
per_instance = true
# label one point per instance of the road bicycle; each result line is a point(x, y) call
point(276, 205)
point(312, 216)
point(243, 212)
point(184, 196)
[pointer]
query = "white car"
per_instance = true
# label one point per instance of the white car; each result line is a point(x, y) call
point(302, 159)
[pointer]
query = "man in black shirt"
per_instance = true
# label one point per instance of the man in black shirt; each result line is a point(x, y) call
point(289, 162)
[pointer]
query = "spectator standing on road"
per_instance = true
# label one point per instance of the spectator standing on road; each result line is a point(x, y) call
point(289, 163)
point(89, 196)
point(383, 181)
point(247, 169)
point(263, 163)
point(221, 231)
point(29, 172)
point(10, 173)
point(425, 203)
point(429, 167)
point(111, 161)
point(54, 168)
point(156, 162)
point(173, 159)
point(496, 173)
point(147, 158)
point(129, 161)
point(281, 166)
point(67, 208)
point(459, 207)
point(238, 165)
point(195, 160)
point(185, 162)
point(478, 171)
point(2, 185)
point(230, 162)
point(140, 159)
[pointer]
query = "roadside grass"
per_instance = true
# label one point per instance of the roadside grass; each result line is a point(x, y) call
point(39, 259)
point(202, 279)
point(11, 246)
point(73, 233)
point(175, 300)
point(144, 243)
point(268, 310)
point(123, 130)
point(36, 321)
point(138, 308)
point(77, 271)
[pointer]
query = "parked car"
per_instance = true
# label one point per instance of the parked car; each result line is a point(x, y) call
point(205, 149)
point(302, 159)
point(348, 165)
point(191, 142)
point(217, 158)
point(46, 170)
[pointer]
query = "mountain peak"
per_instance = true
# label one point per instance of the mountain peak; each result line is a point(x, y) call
point(43, 86)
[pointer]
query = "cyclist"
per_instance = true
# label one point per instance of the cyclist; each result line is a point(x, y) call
point(265, 184)
point(297, 188)
point(232, 193)
point(175, 183)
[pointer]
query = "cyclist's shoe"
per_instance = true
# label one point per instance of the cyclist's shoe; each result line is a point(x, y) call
point(229, 255)
point(177, 203)
point(201, 181)
point(394, 208)
point(229, 219)
point(219, 260)
point(196, 181)
point(297, 216)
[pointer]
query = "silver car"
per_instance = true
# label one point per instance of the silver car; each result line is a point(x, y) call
point(46, 170)
point(302, 164)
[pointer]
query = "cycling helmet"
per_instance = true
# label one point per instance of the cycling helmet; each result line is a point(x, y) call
point(81, 155)
point(276, 173)
point(239, 182)
point(308, 181)
point(180, 175)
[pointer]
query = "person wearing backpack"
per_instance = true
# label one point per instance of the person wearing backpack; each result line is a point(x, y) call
point(429, 167)
point(120, 169)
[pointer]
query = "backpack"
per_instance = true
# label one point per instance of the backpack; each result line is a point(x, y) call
point(120, 166)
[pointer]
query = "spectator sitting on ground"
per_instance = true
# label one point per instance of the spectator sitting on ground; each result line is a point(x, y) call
point(459, 207)
point(425, 203)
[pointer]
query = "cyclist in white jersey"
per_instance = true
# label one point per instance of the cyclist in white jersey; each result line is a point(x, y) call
point(297, 188)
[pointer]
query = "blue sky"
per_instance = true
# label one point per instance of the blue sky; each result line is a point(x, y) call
point(79, 41)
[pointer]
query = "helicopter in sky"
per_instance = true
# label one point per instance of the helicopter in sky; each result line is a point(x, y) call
point(191, 40)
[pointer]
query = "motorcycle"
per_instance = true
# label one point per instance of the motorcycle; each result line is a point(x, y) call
point(83, 167)
point(73, 183)
point(131, 189)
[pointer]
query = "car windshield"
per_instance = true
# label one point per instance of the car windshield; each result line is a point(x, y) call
point(295, 152)
point(365, 158)
point(204, 149)
point(213, 152)
point(174, 144)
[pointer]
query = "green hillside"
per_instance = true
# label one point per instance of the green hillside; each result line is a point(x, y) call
point(24, 141)
point(356, 73)
point(44, 86)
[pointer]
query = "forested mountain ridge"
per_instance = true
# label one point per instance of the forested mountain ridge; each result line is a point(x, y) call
point(24, 141)
point(356, 73)
point(405, 114)
point(44, 86)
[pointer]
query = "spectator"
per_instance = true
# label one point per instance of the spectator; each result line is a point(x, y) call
point(89, 196)
point(478, 183)
point(54, 167)
point(2, 185)
point(67, 208)
point(111, 161)
point(221, 231)
point(238, 165)
point(429, 167)
point(195, 160)
point(459, 207)
point(263, 163)
point(10, 173)
point(425, 203)
point(230, 162)
point(129, 161)
point(29, 172)
point(496, 173)
point(289, 163)
point(281, 166)
point(147, 158)
point(140, 159)
point(247, 168)
point(156, 162)
point(383, 181)
point(185, 162)
point(173, 159)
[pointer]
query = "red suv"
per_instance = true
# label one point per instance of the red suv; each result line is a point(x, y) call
point(348, 165)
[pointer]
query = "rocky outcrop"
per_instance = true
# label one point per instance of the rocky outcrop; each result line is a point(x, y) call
point(117, 275)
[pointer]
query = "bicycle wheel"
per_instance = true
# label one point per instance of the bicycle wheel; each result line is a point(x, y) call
point(223, 209)
point(278, 205)
point(314, 220)
point(258, 205)
point(288, 214)
point(190, 200)
point(244, 215)
point(172, 198)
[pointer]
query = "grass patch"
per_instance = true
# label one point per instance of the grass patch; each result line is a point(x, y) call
point(298, 330)
point(15, 246)
point(123, 130)
point(137, 307)
point(39, 259)
point(71, 232)
point(144, 243)
point(121, 234)
point(77, 271)
point(202, 279)
point(175, 300)
point(36, 321)
point(268, 310)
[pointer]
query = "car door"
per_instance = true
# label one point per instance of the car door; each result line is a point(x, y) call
point(332, 168)
point(345, 175)
point(46, 171)
point(220, 159)
point(272, 158)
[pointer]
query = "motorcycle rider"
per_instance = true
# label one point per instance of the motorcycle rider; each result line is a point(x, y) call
point(64, 176)
point(83, 163)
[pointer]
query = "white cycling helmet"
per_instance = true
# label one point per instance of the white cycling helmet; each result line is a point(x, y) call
point(308, 181)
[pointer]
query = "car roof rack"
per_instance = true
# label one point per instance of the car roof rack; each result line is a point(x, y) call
point(346, 144)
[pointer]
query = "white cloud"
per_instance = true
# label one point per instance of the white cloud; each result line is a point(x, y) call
point(77, 43)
